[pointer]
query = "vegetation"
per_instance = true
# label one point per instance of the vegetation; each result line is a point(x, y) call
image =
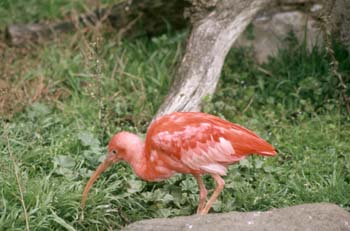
point(72, 94)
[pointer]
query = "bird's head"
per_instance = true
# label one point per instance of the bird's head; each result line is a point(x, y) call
point(122, 146)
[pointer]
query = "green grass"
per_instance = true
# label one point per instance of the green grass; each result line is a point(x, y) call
point(293, 101)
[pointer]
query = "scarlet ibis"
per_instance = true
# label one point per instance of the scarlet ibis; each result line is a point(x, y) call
point(184, 142)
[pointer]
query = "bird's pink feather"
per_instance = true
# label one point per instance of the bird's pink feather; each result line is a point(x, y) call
point(200, 143)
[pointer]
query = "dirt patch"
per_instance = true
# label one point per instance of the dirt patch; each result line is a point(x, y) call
point(13, 97)
point(16, 89)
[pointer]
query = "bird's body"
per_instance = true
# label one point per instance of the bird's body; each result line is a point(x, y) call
point(185, 142)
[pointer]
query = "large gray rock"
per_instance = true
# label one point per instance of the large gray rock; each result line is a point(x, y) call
point(271, 27)
point(307, 217)
point(268, 32)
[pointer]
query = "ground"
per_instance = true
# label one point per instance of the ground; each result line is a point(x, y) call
point(61, 101)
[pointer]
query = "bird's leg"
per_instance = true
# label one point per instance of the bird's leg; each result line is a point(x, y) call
point(220, 183)
point(202, 193)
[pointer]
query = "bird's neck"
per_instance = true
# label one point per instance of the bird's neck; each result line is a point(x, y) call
point(142, 166)
point(139, 163)
point(136, 157)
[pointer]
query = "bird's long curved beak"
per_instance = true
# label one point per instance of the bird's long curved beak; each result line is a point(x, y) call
point(100, 169)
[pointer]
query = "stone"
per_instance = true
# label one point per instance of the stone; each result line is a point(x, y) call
point(268, 33)
point(306, 217)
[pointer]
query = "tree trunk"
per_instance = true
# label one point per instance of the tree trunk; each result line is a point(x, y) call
point(211, 38)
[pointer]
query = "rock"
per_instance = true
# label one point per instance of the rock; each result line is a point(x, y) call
point(272, 26)
point(311, 217)
point(268, 32)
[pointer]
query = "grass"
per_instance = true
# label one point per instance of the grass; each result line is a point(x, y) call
point(73, 94)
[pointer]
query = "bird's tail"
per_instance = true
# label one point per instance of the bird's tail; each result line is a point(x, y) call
point(247, 142)
point(264, 148)
point(268, 153)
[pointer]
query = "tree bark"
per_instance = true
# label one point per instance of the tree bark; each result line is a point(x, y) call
point(211, 38)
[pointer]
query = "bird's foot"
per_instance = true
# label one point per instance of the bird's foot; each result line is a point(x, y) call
point(203, 212)
point(199, 210)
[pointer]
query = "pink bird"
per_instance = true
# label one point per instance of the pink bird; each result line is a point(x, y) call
point(184, 142)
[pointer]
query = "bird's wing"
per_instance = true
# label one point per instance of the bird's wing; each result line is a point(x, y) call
point(202, 142)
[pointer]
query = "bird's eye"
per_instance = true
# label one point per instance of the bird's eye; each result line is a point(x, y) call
point(114, 152)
